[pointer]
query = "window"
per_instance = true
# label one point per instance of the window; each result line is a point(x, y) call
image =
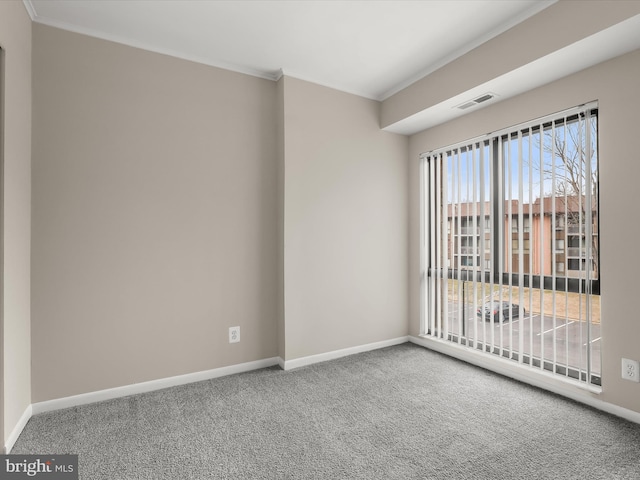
point(516, 245)
point(467, 261)
point(577, 264)
point(533, 179)
point(574, 241)
point(468, 226)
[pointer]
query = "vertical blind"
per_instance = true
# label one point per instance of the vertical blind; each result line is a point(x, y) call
point(510, 238)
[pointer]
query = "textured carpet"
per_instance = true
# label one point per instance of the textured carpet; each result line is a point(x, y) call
point(398, 413)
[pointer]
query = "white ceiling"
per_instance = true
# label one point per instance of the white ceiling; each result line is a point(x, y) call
point(372, 48)
point(369, 48)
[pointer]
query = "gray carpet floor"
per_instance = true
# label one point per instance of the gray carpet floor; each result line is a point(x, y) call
point(402, 412)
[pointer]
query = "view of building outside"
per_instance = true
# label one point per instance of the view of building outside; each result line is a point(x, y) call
point(559, 248)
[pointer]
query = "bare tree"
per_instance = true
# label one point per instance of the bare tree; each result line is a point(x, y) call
point(572, 174)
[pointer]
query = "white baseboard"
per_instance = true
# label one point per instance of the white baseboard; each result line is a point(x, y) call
point(540, 379)
point(323, 357)
point(124, 391)
point(150, 386)
point(17, 430)
point(546, 381)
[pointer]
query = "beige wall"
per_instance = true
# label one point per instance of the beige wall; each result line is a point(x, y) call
point(173, 200)
point(154, 216)
point(345, 222)
point(615, 85)
point(15, 40)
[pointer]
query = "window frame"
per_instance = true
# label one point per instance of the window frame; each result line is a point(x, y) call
point(497, 274)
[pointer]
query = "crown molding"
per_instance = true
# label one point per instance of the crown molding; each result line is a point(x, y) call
point(535, 9)
point(150, 48)
point(30, 9)
point(283, 72)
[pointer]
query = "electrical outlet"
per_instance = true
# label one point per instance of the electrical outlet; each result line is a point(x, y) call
point(234, 334)
point(631, 370)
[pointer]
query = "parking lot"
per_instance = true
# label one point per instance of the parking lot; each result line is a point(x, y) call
point(561, 340)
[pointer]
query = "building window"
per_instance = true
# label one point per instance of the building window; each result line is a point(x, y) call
point(541, 180)
point(576, 264)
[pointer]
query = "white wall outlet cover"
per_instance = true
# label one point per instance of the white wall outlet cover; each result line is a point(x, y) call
point(234, 334)
point(631, 370)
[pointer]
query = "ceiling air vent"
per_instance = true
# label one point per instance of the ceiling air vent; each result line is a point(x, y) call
point(476, 101)
point(467, 105)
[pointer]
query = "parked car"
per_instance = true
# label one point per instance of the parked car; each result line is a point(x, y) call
point(499, 311)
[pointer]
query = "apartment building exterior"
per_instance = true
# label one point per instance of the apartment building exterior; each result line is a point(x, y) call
point(547, 237)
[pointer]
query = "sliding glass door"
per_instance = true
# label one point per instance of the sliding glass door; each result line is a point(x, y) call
point(510, 244)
